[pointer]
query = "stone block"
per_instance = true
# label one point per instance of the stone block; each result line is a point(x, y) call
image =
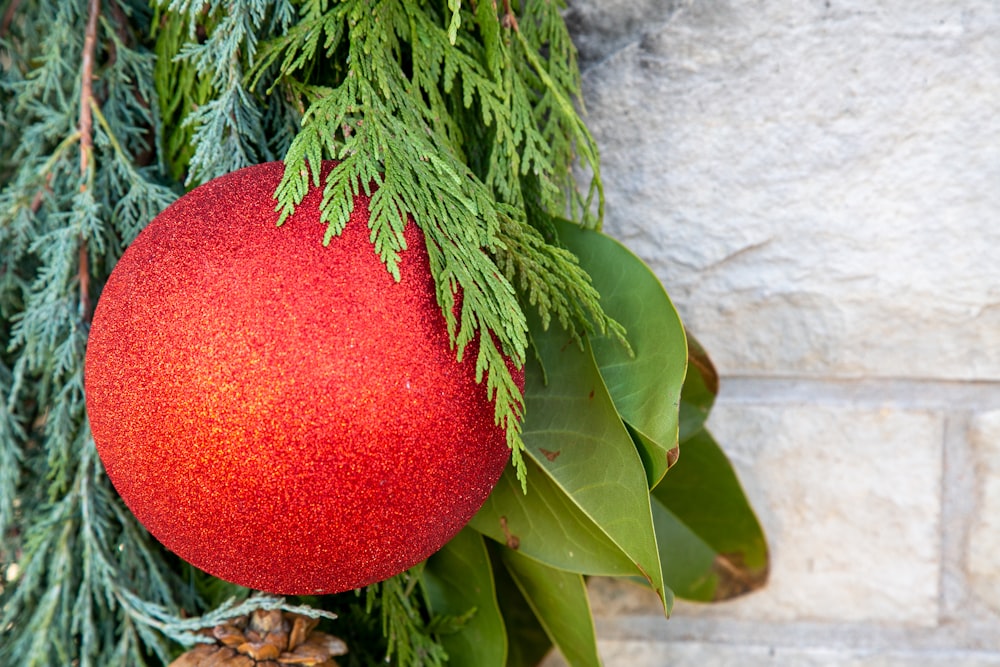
point(719, 654)
point(850, 500)
point(983, 549)
point(815, 182)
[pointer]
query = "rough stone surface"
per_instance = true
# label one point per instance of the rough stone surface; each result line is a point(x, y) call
point(818, 185)
point(850, 501)
point(700, 654)
point(815, 181)
point(603, 27)
point(983, 555)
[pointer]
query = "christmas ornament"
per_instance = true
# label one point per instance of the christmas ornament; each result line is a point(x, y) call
point(282, 414)
point(265, 639)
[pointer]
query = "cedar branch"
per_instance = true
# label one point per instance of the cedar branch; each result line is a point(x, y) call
point(86, 128)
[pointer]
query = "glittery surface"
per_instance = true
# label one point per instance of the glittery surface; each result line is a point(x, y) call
point(279, 413)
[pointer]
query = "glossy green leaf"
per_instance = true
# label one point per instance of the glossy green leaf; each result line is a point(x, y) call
point(559, 602)
point(701, 385)
point(710, 541)
point(528, 642)
point(547, 525)
point(459, 579)
point(573, 433)
point(646, 385)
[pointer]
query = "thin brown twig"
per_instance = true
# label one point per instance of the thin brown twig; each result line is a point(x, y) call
point(509, 18)
point(8, 17)
point(36, 201)
point(87, 142)
point(87, 88)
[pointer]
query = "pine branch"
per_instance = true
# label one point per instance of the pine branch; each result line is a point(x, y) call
point(226, 128)
point(186, 630)
point(8, 16)
point(12, 437)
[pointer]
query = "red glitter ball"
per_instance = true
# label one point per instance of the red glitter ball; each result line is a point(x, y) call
point(278, 413)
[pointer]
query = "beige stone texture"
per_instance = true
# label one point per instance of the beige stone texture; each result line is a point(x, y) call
point(816, 181)
point(700, 654)
point(983, 554)
point(818, 185)
point(850, 501)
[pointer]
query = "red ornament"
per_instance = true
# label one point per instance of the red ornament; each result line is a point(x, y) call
point(278, 413)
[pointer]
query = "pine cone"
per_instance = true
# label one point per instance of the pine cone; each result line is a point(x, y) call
point(265, 639)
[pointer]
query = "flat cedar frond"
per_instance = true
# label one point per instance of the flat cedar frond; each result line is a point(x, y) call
point(444, 119)
point(551, 279)
point(405, 630)
point(380, 128)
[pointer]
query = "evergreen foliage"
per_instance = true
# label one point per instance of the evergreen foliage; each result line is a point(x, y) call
point(450, 113)
point(75, 191)
point(451, 117)
point(407, 635)
point(457, 115)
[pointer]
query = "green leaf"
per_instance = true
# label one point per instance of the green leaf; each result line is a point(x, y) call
point(546, 524)
point(700, 389)
point(459, 579)
point(559, 602)
point(711, 543)
point(527, 640)
point(592, 477)
point(645, 385)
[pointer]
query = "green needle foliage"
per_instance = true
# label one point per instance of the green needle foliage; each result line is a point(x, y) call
point(458, 115)
point(79, 179)
point(454, 117)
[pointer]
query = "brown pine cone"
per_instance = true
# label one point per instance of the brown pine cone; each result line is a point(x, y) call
point(265, 639)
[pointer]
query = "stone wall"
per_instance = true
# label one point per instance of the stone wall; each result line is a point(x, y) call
point(817, 183)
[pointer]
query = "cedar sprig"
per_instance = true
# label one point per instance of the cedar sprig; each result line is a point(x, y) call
point(454, 119)
point(376, 124)
point(524, 255)
point(400, 605)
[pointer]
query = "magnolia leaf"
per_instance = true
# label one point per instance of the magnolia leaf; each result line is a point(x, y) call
point(459, 580)
point(587, 463)
point(575, 434)
point(545, 524)
point(688, 561)
point(645, 385)
point(559, 602)
point(710, 541)
point(527, 640)
point(701, 385)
